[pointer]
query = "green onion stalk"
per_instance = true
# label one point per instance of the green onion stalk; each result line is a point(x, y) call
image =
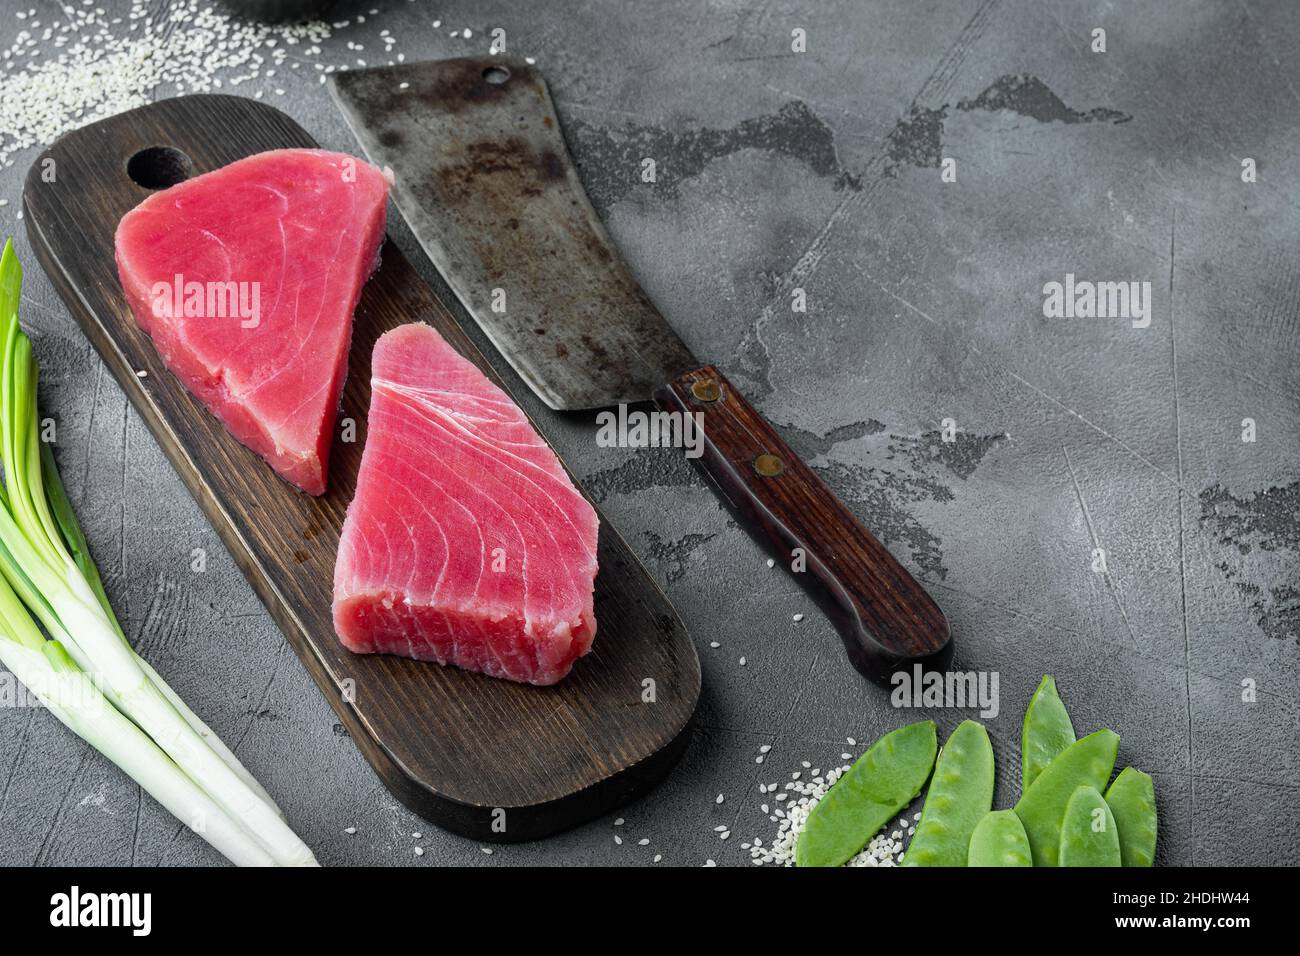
point(86, 672)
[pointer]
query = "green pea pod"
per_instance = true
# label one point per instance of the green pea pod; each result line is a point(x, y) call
point(1046, 733)
point(1089, 836)
point(1086, 762)
point(999, 840)
point(1132, 800)
point(960, 794)
point(882, 782)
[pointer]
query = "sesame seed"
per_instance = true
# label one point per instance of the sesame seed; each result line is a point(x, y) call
point(419, 851)
point(107, 65)
point(796, 802)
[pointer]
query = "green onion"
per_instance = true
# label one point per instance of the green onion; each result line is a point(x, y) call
point(75, 539)
point(87, 673)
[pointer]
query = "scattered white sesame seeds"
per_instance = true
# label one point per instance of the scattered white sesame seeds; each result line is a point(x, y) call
point(882, 850)
point(714, 644)
point(93, 65)
point(419, 851)
point(719, 799)
point(643, 842)
point(350, 830)
point(487, 850)
point(798, 618)
point(742, 662)
point(658, 857)
point(417, 836)
point(771, 563)
point(618, 840)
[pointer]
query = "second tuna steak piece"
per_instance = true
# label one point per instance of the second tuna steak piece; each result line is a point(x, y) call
point(246, 278)
point(466, 542)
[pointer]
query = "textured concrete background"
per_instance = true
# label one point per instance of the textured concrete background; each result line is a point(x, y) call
point(821, 170)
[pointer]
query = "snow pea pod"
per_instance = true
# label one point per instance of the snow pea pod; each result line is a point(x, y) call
point(1089, 836)
point(999, 840)
point(883, 780)
point(960, 794)
point(1086, 762)
point(1046, 733)
point(1132, 800)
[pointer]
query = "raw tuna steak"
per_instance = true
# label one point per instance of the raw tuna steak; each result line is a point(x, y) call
point(466, 542)
point(246, 278)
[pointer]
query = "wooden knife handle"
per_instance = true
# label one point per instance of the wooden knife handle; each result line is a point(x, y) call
point(885, 617)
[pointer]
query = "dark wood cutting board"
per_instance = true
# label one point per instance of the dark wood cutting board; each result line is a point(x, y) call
point(453, 746)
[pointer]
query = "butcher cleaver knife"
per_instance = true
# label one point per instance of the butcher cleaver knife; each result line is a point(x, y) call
point(485, 181)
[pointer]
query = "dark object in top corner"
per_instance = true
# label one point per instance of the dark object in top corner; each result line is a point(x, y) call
point(279, 11)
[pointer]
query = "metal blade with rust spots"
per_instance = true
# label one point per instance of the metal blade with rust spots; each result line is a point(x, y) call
point(484, 179)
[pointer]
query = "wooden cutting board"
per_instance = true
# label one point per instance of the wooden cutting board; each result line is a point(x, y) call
point(455, 747)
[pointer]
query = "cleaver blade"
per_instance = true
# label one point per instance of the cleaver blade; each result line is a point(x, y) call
point(483, 177)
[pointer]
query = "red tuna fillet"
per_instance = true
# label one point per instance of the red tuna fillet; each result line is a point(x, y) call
point(466, 542)
point(279, 245)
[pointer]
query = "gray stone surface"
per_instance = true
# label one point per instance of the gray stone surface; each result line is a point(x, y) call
point(820, 170)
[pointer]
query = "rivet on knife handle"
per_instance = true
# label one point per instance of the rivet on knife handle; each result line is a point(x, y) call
point(886, 619)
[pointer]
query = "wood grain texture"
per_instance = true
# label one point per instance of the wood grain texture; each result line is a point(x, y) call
point(886, 619)
point(452, 745)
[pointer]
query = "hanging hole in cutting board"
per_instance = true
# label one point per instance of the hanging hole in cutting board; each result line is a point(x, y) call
point(157, 167)
point(496, 75)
